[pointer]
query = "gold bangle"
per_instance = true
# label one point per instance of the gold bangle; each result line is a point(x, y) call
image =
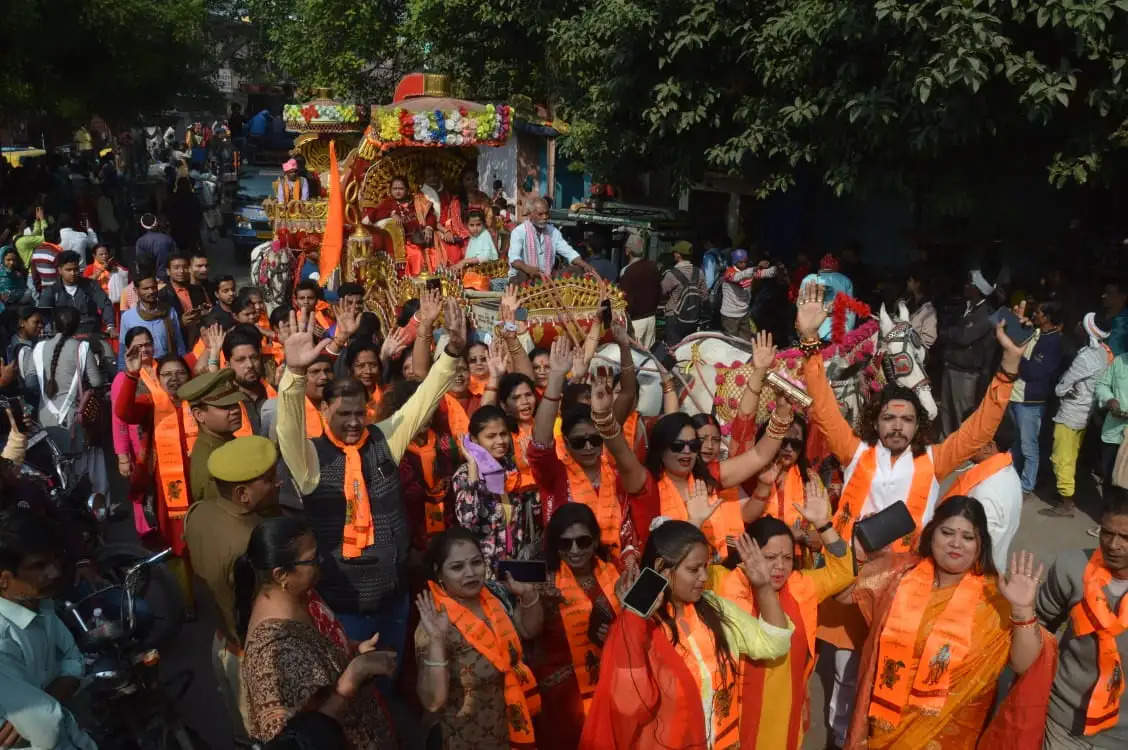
point(610, 435)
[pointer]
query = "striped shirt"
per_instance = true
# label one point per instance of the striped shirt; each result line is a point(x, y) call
point(43, 269)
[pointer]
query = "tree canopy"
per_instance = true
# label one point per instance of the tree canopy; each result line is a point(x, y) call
point(65, 60)
point(856, 94)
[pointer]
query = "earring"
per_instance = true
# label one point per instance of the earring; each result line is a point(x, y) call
point(284, 586)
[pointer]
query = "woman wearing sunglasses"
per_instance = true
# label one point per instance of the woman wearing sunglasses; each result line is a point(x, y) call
point(576, 470)
point(578, 613)
point(295, 654)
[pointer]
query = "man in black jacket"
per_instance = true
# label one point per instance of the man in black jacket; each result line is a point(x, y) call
point(189, 300)
point(969, 351)
point(85, 295)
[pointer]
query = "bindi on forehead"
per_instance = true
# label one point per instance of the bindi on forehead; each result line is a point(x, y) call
point(899, 409)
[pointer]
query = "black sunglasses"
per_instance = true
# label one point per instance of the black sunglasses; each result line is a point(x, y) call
point(580, 542)
point(679, 446)
point(795, 444)
point(578, 443)
point(317, 560)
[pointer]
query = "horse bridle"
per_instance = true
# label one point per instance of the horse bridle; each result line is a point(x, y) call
point(899, 364)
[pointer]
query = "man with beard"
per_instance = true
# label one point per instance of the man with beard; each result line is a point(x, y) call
point(534, 245)
point(189, 300)
point(158, 317)
point(892, 460)
point(242, 347)
point(318, 375)
point(1085, 592)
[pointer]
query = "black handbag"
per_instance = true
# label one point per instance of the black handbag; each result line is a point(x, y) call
point(884, 527)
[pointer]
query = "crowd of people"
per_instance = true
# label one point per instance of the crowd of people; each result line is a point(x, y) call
point(354, 500)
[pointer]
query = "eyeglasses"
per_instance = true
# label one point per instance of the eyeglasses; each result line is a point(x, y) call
point(578, 443)
point(680, 446)
point(579, 542)
point(795, 444)
point(317, 560)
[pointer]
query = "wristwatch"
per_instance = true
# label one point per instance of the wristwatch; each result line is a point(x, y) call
point(825, 527)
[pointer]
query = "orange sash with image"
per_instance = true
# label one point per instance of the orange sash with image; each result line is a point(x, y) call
point(497, 640)
point(575, 612)
point(171, 461)
point(1093, 616)
point(358, 532)
point(696, 643)
point(725, 522)
point(856, 491)
point(947, 645)
point(522, 479)
point(604, 504)
point(781, 505)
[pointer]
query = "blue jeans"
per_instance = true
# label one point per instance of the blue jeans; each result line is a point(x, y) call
point(1028, 421)
point(390, 623)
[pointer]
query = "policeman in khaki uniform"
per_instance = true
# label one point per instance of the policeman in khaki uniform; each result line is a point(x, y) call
point(217, 406)
point(217, 532)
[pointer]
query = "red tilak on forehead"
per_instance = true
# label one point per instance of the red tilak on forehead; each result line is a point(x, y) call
point(900, 408)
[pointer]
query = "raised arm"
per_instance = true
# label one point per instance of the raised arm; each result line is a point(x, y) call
point(824, 406)
point(497, 361)
point(560, 359)
point(628, 375)
point(507, 313)
point(763, 357)
point(631, 471)
point(297, 451)
point(430, 304)
point(741, 468)
point(980, 427)
point(1020, 587)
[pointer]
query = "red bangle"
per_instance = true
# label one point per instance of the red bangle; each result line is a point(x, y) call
point(546, 397)
point(1024, 623)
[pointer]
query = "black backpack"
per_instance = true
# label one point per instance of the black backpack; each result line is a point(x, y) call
point(691, 308)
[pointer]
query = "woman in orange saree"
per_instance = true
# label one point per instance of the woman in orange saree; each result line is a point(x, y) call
point(943, 627)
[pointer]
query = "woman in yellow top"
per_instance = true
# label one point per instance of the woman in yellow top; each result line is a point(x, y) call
point(943, 627)
point(671, 680)
point(774, 709)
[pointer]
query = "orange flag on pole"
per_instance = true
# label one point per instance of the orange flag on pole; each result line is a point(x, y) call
point(332, 239)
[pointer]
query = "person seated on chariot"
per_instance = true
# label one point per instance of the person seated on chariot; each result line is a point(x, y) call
point(419, 222)
point(480, 248)
point(291, 186)
point(451, 231)
point(534, 245)
point(473, 199)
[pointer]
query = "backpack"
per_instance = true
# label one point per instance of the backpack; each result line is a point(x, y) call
point(692, 307)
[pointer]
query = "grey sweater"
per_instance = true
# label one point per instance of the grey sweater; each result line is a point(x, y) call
point(1077, 661)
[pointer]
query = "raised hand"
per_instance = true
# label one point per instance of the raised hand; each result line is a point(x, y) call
point(701, 505)
point(363, 647)
point(347, 322)
point(579, 364)
point(619, 330)
point(395, 343)
point(770, 473)
point(301, 347)
point(602, 394)
point(626, 579)
point(133, 358)
point(816, 503)
point(810, 310)
point(430, 306)
point(455, 319)
point(507, 306)
point(214, 336)
point(1020, 585)
point(752, 560)
point(434, 620)
point(560, 357)
point(763, 350)
point(498, 361)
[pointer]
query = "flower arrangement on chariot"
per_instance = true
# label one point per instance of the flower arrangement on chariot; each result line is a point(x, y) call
point(321, 112)
point(456, 127)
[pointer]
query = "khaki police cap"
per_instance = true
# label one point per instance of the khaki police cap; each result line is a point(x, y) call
point(242, 459)
point(212, 388)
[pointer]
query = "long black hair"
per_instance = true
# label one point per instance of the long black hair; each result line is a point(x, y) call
point(562, 519)
point(671, 543)
point(66, 324)
point(893, 392)
point(666, 431)
point(273, 544)
point(969, 508)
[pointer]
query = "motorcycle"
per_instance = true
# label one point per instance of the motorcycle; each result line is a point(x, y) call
point(133, 708)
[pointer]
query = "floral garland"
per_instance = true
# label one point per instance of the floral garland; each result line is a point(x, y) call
point(324, 112)
point(396, 126)
point(842, 304)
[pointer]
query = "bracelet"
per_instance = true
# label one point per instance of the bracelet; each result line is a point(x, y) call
point(433, 663)
point(610, 435)
point(533, 603)
point(213, 362)
point(1033, 619)
point(668, 386)
point(825, 527)
point(551, 399)
point(1007, 377)
point(330, 351)
point(809, 347)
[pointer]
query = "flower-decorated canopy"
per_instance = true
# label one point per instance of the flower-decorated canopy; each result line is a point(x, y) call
point(324, 115)
point(422, 113)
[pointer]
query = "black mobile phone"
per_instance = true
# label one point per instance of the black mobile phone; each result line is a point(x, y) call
point(605, 313)
point(1014, 329)
point(646, 593)
point(525, 571)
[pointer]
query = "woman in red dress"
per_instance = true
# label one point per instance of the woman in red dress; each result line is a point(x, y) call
point(419, 222)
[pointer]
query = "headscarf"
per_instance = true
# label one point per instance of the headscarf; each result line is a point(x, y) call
point(980, 282)
point(1096, 335)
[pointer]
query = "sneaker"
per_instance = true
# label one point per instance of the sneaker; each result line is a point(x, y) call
point(1057, 511)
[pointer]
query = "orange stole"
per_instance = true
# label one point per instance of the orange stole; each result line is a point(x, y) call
point(245, 429)
point(476, 386)
point(604, 504)
point(457, 419)
point(857, 489)
point(522, 479)
point(725, 522)
point(496, 639)
point(357, 532)
point(313, 426)
point(372, 411)
point(947, 645)
point(322, 315)
point(971, 478)
point(575, 612)
point(726, 705)
point(1093, 616)
point(433, 518)
point(799, 600)
point(172, 478)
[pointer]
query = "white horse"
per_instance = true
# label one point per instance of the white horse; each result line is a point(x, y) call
point(903, 357)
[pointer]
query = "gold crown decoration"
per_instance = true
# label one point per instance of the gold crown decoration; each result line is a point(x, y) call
point(307, 216)
point(410, 163)
point(493, 269)
point(546, 304)
point(314, 148)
